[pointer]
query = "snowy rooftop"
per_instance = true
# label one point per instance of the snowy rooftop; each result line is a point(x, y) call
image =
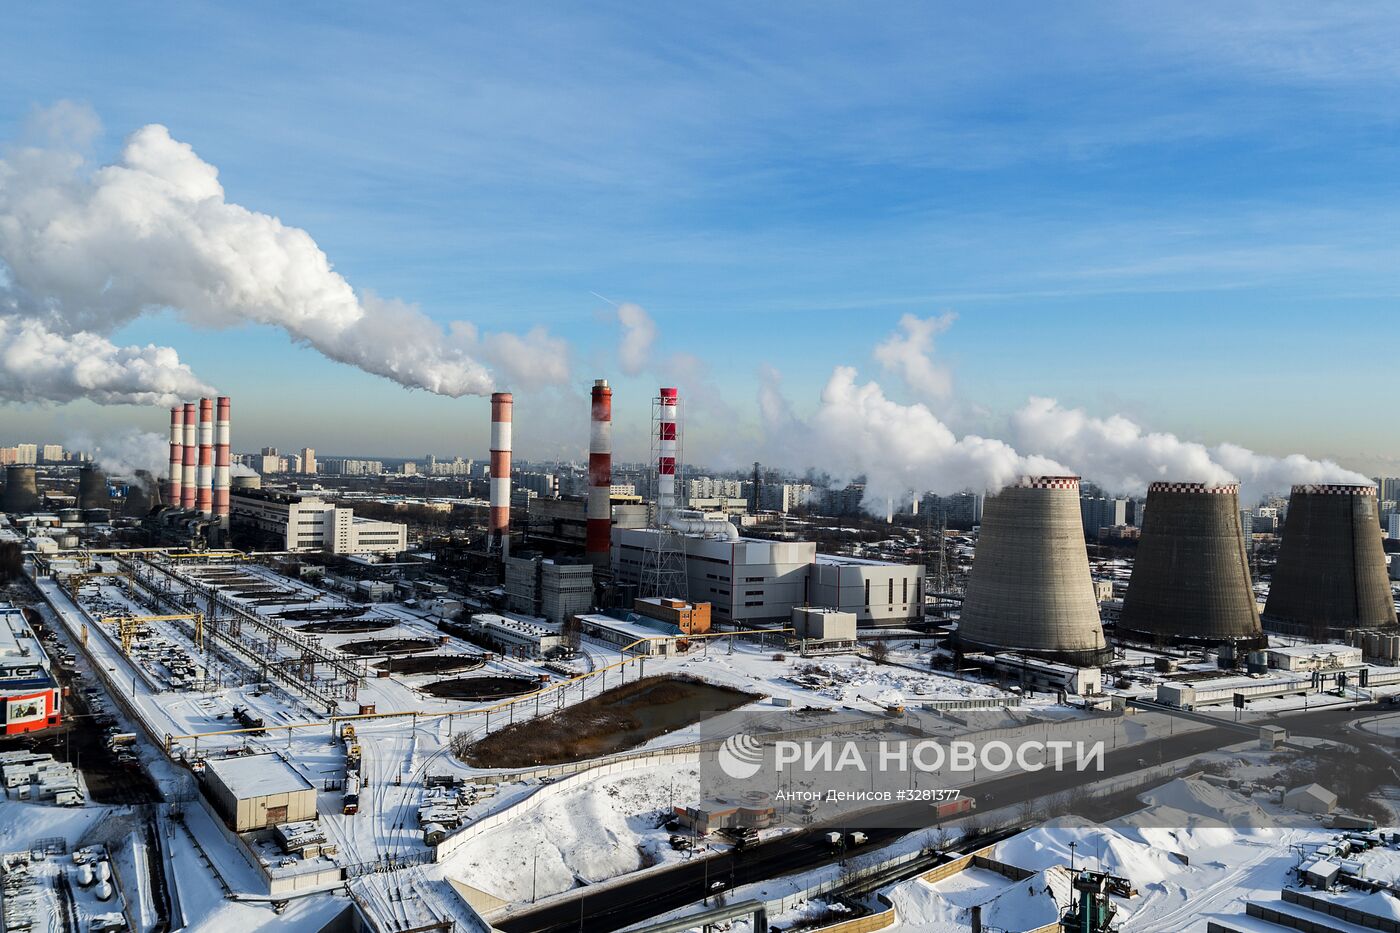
point(257, 776)
point(1312, 651)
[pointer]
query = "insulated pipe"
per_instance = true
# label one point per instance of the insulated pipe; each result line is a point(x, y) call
point(222, 476)
point(695, 522)
point(666, 458)
point(501, 404)
point(177, 454)
point(599, 539)
point(188, 479)
point(204, 497)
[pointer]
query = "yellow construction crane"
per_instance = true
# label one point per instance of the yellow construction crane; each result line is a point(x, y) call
point(75, 581)
point(126, 626)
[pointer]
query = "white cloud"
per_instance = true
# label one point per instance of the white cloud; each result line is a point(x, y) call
point(909, 354)
point(634, 352)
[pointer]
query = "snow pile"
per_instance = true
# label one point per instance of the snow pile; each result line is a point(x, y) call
point(1200, 803)
point(1095, 846)
point(1005, 904)
point(884, 685)
point(583, 835)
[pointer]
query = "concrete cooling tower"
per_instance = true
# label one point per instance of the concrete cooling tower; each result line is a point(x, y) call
point(1191, 577)
point(1331, 574)
point(21, 490)
point(92, 489)
point(1030, 588)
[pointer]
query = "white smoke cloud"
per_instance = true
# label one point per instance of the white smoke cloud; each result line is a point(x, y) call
point(902, 450)
point(37, 364)
point(85, 252)
point(122, 453)
point(909, 354)
point(1123, 457)
point(634, 352)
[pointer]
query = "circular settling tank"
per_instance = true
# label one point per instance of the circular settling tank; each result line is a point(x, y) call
point(481, 688)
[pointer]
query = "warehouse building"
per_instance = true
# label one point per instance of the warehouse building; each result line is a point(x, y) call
point(1222, 690)
point(636, 633)
point(824, 629)
point(258, 791)
point(1314, 658)
point(751, 582)
point(308, 523)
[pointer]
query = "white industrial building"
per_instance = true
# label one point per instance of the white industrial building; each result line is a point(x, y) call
point(308, 523)
point(823, 628)
point(750, 581)
point(517, 635)
point(1039, 674)
point(1314, 658)
point(652, 639)
point(1220, 690)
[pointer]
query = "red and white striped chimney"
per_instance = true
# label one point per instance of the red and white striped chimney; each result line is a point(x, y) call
point(188, 479)
point(204, 499)
point(598, 544)
point(666, 460)
point(177, 454)
point(501, 405)
point(222, 474)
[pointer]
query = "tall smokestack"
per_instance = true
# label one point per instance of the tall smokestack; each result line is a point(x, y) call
point(204, 499)
point(177, 454)
point(222, 473)
point(599, 541)
point(501, 404)
point(668, 400)
point(189, 474)
point(1331, 573)
point(1030, 589)
point(1191, 575)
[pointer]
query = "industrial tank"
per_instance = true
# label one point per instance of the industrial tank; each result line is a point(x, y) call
point(1030, 590)
point(1331, 573)
point(1191, 578)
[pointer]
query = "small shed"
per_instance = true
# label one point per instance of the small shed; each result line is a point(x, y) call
point(1310, 798)
point(258, 791)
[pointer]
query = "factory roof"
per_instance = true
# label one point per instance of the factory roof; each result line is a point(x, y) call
point(840, 560)
point(517, 625)
point(642, 627)
point(252, 776)
point(1312, 651)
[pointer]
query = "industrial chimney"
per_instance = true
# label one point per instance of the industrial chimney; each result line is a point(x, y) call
point(177, 454)
point(21, 490)
point(1191, 576)
point(92, 489)
point(501, 405)
point(1331, 573)
point(188, 473)
point(222, 465)
point(599, 540)
point(668, 400)
point(204, 494)
point(1030, 590)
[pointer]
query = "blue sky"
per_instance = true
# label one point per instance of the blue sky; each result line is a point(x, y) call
point(1184, 213)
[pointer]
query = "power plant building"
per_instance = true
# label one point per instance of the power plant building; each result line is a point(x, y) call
point(1030, 590)
point(1331, 572)
point(1191, 579)
point(754, 582)
point(29, 694)
point(307, 523)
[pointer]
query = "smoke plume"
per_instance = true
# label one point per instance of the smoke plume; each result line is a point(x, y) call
point(1119, 455)
point(83, 252)
point(634, 352)
point(37, 365)
point(123, 453)
point(902, 451)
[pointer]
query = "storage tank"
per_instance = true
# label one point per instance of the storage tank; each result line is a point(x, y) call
point(92, 489)
point(21, 490)
point(252, 481)
point(104, 890)
point(1331, 575)
point(1190, 578)
point(1030, 589)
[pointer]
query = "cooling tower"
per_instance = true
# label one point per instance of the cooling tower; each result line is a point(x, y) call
point(21, 490)
point(92, 489)
point(1030, 588)
point(1191, 577)
point(1331, 573)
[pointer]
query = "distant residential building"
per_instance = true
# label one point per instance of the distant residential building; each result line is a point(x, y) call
point(1098, 513)
point(308, 461)
point(53, 453)
point(348, 467)
point(542, 484)
point(707, 487)
point(1388, 487)
point(785, 497)
point(26, 453)
point(960, 510)
point(844, 501)
point(268, 463)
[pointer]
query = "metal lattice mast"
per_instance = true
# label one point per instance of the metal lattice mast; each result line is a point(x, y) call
point(664, 573)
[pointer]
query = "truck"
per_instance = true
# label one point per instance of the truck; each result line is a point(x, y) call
point(950, 808)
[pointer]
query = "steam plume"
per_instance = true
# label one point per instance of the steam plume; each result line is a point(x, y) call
point(84, 252)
